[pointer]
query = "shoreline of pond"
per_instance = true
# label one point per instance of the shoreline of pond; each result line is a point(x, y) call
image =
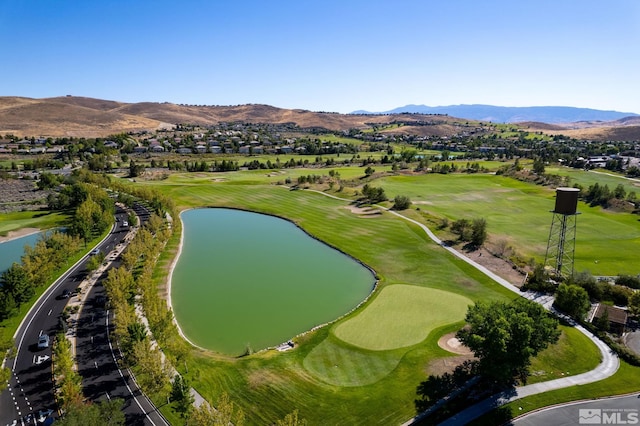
point(174, 262)
point(18, 233)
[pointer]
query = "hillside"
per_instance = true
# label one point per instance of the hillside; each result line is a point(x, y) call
point(80, 116)
point(88, 117)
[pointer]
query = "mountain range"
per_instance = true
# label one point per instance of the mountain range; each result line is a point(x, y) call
point(501, 114)
point(88, 117)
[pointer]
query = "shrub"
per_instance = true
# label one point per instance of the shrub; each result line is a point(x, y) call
point(401, 202)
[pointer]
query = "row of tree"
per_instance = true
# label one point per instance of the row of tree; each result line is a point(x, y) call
point(71, 401)
point(602, 195)
point(20, 282)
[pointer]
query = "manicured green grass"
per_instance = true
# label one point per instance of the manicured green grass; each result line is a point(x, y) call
point(573, 354)
point(327, 379)
point(343, 365)
point(30, 219)
point(518, 213)
point(402, 315)
point(382, 387)
point(601, 177)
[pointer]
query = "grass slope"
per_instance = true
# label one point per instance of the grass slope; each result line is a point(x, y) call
point(30, 219)
point(518, 213)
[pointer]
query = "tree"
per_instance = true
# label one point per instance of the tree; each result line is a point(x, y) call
point(137, 331)
point(504, 337)
point(462, 227)
point(181, 395)
point(369, 171)
point(573, 300)
point(401, 202)
point(372, 194)
point(226, 413)
point(538, 166)
point(8, 306)
point(602, 323)
point(292, 419)
point(16, 282)
point(107, 413)
point(95, 261)
point(478, 232)
point(634, 304)
point(135, 170)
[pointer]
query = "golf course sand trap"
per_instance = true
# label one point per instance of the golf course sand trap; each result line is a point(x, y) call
point(402, 315)
point(450, 343)
point(364, 211)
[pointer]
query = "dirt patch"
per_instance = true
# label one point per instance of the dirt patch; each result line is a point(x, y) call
point(449, 343)
point(495, 264)
point(439, 366)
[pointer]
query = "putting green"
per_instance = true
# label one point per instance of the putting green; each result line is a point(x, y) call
point(402, 315)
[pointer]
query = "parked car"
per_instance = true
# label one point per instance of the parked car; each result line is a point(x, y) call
point(65, 294)
point(43, 341)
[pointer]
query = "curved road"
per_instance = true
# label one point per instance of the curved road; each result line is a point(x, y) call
point(30, 388)
point(617, 410)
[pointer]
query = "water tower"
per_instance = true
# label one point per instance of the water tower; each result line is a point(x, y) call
point(562, 236)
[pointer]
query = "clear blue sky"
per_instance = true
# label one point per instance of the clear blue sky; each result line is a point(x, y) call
point(326, 55)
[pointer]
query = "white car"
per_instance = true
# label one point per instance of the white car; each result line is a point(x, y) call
point(125, 223)
point(43, 341)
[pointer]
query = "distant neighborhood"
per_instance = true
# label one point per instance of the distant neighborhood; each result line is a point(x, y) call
point(471, 141)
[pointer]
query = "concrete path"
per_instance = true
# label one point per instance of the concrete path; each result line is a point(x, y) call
point(607, 367)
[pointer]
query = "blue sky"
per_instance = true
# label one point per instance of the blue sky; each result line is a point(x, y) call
point(326, 55)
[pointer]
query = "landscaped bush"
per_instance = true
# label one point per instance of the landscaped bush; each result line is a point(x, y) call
point(629, 281)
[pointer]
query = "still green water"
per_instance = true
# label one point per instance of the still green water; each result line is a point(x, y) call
point(252, 280)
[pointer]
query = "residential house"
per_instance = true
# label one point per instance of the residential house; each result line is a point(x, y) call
point(617, 317)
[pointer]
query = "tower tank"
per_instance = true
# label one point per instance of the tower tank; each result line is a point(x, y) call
point(566, 200)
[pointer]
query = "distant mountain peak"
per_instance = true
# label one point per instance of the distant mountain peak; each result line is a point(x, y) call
point(501, 114)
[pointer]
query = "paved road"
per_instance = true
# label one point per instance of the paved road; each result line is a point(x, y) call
point(98, 356)
point(632, 340)
point(30, 388)
point(619, 410)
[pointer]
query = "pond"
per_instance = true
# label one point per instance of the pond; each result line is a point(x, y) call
point(11, 251)
point(251, 281)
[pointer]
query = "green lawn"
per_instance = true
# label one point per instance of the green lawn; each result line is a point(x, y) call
point(320, 377)
point(328, 379)
point(402, 315)
point(573, 354)
point(30, 219)
point(518, 213)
